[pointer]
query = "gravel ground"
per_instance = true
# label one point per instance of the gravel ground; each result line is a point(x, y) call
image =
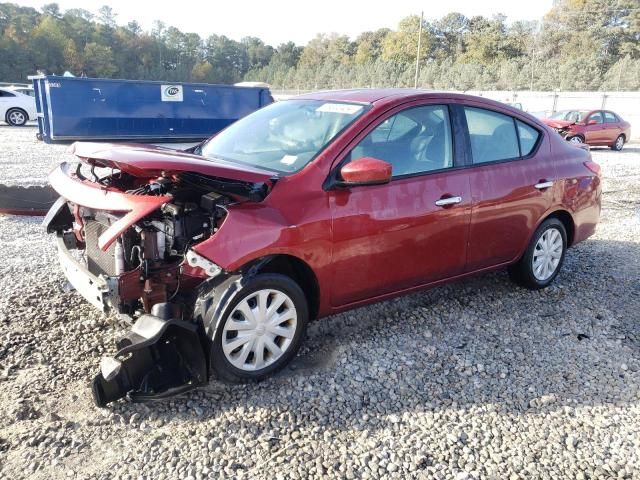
point(478, 379)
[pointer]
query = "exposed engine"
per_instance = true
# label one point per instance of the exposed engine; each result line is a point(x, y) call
point(149, 258)
point(563, 131)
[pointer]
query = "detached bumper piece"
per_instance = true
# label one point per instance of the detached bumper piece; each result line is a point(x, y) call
point(160, 357)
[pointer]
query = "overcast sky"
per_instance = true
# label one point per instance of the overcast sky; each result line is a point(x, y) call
point(279, 21)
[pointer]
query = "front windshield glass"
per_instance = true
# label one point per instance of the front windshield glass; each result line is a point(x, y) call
point(570, 115)
point(283, 137)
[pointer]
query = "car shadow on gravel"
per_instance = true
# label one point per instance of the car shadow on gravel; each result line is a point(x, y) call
point(481, 344)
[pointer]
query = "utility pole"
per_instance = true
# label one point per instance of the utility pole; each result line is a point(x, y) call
point(624, 60)
point(415, 83)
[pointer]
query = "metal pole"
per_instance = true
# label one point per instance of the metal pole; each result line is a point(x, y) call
point(415, 83)
point(624, 60)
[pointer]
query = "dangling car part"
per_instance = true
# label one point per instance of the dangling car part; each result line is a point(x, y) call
point(161, 356)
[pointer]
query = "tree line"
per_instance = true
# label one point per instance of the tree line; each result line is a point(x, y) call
point(578, 45)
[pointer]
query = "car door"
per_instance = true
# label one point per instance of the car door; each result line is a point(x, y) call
point(413, 230)
point(5, 103)
point(594, 132)
point(511, 177)
point(612, 127)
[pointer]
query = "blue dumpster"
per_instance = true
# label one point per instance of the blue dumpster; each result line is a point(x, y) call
point(73, 108)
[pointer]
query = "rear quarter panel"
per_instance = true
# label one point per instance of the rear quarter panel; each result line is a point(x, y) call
point(579, 190)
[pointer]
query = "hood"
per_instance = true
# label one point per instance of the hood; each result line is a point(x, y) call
point(557, 123)
point(149, 161)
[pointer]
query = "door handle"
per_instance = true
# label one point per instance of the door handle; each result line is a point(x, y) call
point(443, 202)
point(543, 185)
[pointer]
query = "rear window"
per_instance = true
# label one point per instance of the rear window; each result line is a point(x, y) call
point(493, 135)
point(610, 117)
point(528, 138)
point(4, 93)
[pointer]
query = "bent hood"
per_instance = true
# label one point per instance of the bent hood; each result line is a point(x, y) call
point(149, 161)
point(557, 123)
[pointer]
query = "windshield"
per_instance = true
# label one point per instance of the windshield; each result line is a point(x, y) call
point(570, 115)
point(283, 137)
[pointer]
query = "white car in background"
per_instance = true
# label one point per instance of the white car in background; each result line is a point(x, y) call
point(17, 105)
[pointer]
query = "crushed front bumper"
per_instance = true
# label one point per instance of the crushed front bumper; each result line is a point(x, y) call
point(99, 291)
point(161, 355)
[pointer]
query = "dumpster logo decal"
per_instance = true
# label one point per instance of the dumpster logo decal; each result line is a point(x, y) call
point(171, 93)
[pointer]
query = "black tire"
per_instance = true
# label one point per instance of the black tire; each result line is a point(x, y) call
point(523, 273)
point(218, 303)
point(618, 144)
point(16, 117)
point(575, 139)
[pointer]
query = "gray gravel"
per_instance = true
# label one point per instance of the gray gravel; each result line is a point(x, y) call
point(478, 379)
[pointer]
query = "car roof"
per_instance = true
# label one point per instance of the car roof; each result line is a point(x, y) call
point(395, 95)
point(372, 95)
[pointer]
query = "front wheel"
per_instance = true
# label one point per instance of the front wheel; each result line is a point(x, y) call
point(16, 117)
point(618, 144)
point(544, 256)
point(575, 139)
point(260, 329)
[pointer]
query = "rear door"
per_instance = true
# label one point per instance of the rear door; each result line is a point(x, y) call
point(612, 127)
point(6, 102)
point(413, 230)
point(511, 179)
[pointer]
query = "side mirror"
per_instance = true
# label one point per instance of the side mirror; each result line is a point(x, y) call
point(365, 171)
point(592, 122)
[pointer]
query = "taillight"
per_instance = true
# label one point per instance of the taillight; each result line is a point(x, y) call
point(593, 166)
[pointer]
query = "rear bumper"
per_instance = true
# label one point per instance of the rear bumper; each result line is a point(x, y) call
point(101, 292)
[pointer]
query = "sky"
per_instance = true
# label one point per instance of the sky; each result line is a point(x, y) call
point(277, 21)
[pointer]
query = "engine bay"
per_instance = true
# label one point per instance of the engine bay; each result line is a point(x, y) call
point(149, 259)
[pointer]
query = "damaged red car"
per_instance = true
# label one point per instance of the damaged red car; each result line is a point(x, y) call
point(220, 255)
point(601, 128)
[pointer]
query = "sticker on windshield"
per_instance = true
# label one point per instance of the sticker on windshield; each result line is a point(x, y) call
point(344, 108)
point(289, 159)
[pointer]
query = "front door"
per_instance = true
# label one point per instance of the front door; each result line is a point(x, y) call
point(411, 231)
point(594, 131)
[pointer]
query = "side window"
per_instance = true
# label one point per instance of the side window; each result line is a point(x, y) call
point(415, 140)
point(493, 135)
point(4, 93)
point(597, 116)
point(528, 138)
point(393, 128)
point(610, 118)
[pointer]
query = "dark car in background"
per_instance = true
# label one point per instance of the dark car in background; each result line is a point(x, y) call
point(602, 128)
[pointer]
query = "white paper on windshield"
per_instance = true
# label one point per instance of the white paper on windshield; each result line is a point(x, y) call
point(289, 159)
point(344, 108)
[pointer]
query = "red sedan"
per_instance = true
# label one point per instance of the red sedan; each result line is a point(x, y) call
point(222, 254)
point(593, 127)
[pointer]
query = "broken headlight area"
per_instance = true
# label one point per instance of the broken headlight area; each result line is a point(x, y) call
point(563, 131)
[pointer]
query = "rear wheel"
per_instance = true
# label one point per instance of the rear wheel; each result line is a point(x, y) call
point(618, 144)
point(576, 139)
point(16, 117)
point(544, 256)
point(260, 329)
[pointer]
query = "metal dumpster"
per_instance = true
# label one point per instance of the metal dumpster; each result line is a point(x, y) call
point(73, 108)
